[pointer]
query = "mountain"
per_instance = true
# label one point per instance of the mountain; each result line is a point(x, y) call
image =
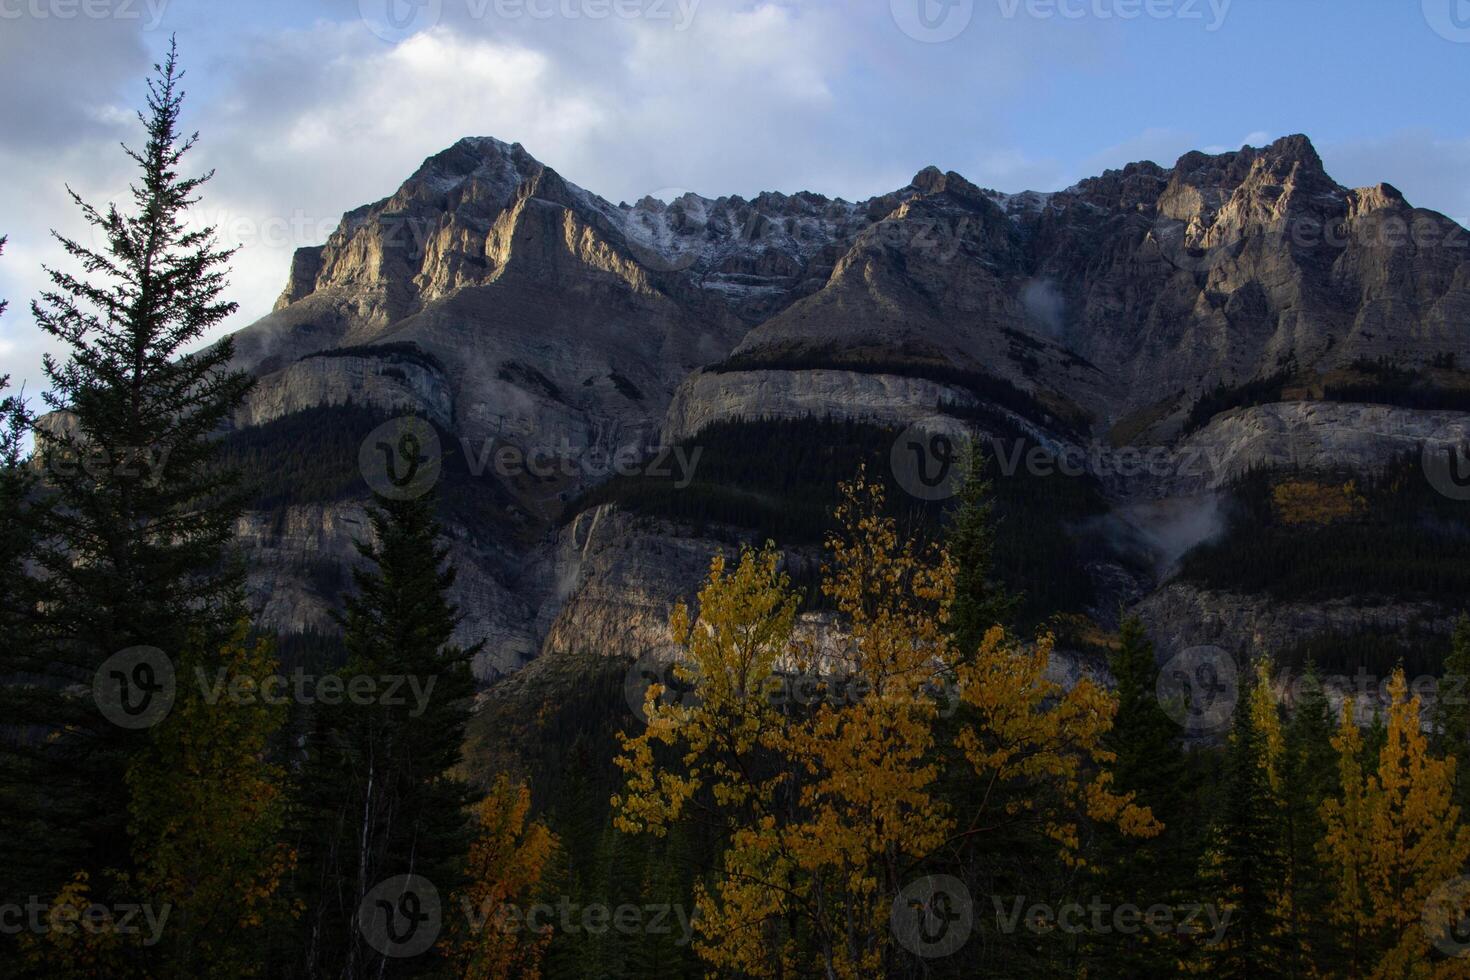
point(1241, 309)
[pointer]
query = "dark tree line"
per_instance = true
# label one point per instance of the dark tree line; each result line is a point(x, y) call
point(257, 847)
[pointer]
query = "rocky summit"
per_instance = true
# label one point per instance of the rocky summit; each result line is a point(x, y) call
point(1176, 343)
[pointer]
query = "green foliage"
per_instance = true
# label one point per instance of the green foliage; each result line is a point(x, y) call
point(1150, 763)
point(303, 458)
point(776, 479)
point(44, 855)
point(559, 726)
point(1389, 384)
point(980, 601)
point(193, 812)
point(138, 514)
point(394, 351)
point(1408, 543)
point(1452, 711)
point(1308, 777)
point(1385, 384)
point(1242, 866)
point(379, 797)
point(1222, 398)
point(207, 814)
point(1349, 661)
point(311, 457)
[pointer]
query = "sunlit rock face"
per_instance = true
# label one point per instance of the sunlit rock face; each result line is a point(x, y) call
point(511, 307)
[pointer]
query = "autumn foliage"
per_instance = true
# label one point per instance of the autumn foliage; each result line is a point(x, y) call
point(1396, 846)
point(505, 865)
point(831, 804)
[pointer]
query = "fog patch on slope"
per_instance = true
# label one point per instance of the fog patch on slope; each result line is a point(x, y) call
point(1045, 304)
point(1158, 533)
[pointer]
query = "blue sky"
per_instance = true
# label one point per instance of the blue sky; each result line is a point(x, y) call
point(311, 107)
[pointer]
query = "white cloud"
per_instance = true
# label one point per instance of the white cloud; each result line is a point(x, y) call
point(305, 123)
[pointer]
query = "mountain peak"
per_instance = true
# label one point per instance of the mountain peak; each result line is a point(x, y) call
point(494, 162)
point(932, 180)
point(1297, 148)
point(929, 179)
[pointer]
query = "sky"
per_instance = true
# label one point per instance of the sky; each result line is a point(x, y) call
point(309, 108)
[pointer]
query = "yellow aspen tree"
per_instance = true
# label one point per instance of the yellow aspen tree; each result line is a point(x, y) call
point(829, 804)
point(1394, 841)
point(65, 950)
point(1267, 717)
point(1344, 845)
point(869, 809)
point(488, 937)
point(715, 758)
point(1041, 747)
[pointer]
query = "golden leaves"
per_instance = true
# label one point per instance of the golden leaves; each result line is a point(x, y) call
point(506, 863)
point(1393, 838)
point(1309, 502)
point(828, 802)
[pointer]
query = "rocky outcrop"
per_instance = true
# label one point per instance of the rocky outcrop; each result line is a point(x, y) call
point(391, 383)
point(301, 562)
point(1179, 616)
point(507, 304)
point(709, 397)
point(1321, 436)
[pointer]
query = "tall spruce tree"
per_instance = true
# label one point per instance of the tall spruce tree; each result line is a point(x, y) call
point(1452, 710)
point(132, 539)
point(1242, 868)
point(1150, 764)
point(381, 798)
point(1309, 776)
point(980, 600)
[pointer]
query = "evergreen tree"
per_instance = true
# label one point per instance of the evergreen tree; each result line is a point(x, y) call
point(132, 542)
point(381, 798)
point(1309, 770)
point(1376, 738)
point(980, 600)
point(1150, 764)
point(1452, 710)
point(1243, 866)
